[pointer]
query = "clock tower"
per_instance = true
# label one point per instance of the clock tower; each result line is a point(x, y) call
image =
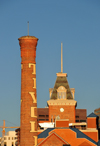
point(62, 104)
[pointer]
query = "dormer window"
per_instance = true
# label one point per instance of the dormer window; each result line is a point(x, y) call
point(61, 92)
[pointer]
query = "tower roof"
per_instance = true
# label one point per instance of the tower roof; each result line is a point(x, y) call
point(92, 115)
point(61, 81)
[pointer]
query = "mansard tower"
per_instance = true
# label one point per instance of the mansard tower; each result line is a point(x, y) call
point(62, 104)
point(28, 115)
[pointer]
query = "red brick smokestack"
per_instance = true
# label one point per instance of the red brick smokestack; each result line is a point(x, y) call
point(28, 116)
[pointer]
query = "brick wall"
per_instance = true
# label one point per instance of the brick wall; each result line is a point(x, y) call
point(62, 123)
point(91, 123)
point(68, 113)
point(43, 114)
point(81, 115)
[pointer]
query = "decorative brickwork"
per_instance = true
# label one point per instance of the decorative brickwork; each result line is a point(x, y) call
point(28, 131)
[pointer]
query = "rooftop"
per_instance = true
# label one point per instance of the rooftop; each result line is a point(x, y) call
point(27, 37)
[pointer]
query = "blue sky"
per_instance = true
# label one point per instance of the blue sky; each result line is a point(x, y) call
point(75, 23)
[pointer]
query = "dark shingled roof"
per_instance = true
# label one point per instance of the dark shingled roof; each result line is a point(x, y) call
point(92, 115)
point(79, 134)
point(82, 135)
point(61, 81)
point(45, 133)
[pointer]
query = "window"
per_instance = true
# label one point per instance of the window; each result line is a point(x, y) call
point(83, 127)
point(77, 120)
point(61, 92)
point(41, 115)
point(41, 119)
point(61, 95)
point(8, 138)
point(82, 120)
point(77, 116)
point(41, 128)
point(4, 138)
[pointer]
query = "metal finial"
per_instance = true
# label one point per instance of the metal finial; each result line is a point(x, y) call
point(61, 58)
point(28, 28)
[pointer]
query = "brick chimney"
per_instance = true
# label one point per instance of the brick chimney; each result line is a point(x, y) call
point(28, 115)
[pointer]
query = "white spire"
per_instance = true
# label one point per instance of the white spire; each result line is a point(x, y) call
point(61, 58)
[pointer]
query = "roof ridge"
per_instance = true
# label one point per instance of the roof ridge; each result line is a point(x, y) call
point(92, 115)
point(50, 134)
point(82, 135)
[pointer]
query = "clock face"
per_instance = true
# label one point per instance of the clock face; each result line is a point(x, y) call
point(61, 110)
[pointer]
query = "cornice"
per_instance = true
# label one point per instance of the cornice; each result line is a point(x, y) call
point(62, 102)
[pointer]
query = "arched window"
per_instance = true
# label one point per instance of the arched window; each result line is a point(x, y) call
point(61, 92)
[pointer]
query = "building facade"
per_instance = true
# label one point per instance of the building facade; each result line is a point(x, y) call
point(43, 115)
point(69, 126)
point(9, 139)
